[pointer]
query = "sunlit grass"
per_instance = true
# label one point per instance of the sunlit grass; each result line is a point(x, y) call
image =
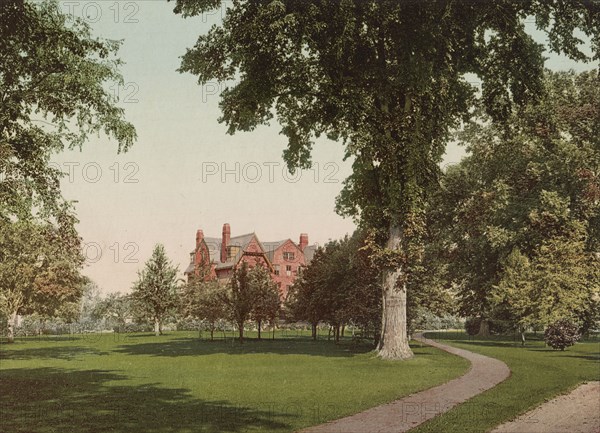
point(179, 383)
point(538, 374)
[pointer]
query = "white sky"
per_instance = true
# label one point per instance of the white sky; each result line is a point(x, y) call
point(172, 181)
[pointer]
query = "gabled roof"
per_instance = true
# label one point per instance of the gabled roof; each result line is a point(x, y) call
point(271, 247)
point(241, 241)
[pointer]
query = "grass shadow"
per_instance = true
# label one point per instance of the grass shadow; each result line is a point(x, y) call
point(50, 399)
point(51, 352)
point(189, 346)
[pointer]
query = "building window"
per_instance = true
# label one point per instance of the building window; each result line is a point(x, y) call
point(288, 270)
point(276, 267)
point(288, 256)
point(232, 252)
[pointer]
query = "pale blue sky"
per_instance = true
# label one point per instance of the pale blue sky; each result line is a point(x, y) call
point(170, 183)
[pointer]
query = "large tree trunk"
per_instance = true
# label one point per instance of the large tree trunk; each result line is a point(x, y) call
point(156, 327)
point(393, 343)
point(12, 324)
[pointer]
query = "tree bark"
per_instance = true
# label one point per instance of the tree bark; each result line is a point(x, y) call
point(12, 324)
point(259, 329)
point(314, 331)
point(156, 327)
point(393, 343)
point(241, 331)
point(484, 329)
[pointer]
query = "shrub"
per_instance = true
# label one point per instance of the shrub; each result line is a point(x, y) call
point(561, 334)
point(472, 325)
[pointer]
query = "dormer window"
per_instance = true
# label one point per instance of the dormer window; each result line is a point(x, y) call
point(232, 252)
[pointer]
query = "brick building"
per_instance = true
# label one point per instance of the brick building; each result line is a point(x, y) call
point(283, 258)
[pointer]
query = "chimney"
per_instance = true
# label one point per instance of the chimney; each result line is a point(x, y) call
point(199, 237)
point(303, 241)
point(225, 242)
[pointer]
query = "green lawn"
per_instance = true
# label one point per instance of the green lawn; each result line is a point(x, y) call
point(538, 374)
point(178, 383)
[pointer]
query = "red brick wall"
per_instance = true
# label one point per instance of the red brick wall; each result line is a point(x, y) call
point(280, 261)
point(283, 279)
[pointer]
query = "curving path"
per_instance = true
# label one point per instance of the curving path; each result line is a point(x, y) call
point(410, 411)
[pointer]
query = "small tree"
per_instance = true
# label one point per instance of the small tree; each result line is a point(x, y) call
point(240, 298)
point(561, 334)
point(155, 293)
point(116, 308)
point(266, 302)
point(203, 300)
point(303, 300)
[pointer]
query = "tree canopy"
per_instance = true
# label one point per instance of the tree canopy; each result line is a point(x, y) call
point(54, 78)
point(389, 80)
point(39, 269)
point(518, 217)
point(339, 287)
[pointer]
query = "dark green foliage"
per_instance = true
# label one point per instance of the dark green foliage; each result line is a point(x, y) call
point(561, 334)
point(472, 325)
point(517, 217)
point(339, 287)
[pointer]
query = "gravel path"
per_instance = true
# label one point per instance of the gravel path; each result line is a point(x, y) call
point(576, 412)
point(408, 412)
